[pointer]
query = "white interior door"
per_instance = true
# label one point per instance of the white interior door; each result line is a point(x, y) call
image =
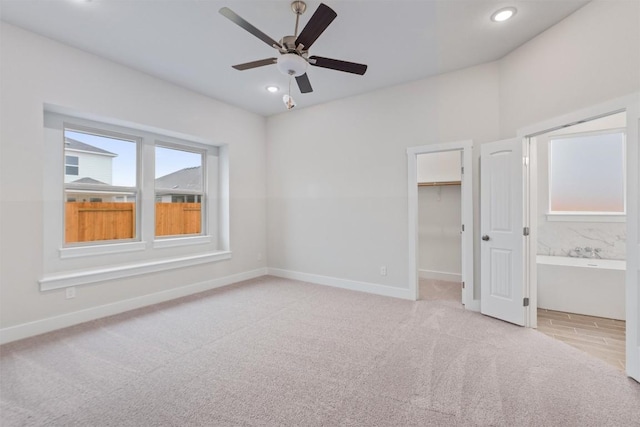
point(501, 227)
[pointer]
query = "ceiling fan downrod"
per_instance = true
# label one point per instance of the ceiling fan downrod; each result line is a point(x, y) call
point(298, 7)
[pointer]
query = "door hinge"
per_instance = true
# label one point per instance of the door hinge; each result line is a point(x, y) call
point(525, 302)
point(462, 170)
point(462, 227)
point(462, 285)
point(525, 161)
point(525, 231)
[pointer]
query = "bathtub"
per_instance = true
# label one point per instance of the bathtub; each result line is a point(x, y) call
point(595, 287)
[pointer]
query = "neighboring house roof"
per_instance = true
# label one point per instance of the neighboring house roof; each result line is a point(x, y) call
point(73, 145)
point(184, 179)
point(88, 180)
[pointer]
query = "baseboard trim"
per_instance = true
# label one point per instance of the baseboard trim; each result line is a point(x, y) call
point(440, 275)
point(352, 285)
point(26, 330)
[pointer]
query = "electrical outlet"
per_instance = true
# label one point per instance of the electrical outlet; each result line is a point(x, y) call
point(71, 292)
point(383, 270)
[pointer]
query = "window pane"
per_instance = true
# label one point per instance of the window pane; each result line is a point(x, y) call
point(587, 173)
point(178, 169)
point(94, 209)
point(178, 177)
point(71, 160)
point(100, 159)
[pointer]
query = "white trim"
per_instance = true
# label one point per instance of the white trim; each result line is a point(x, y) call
point(88, 152)
point(617, 105)
point(466, 147)
point(25, 330)
point(83, 277)
point(352, 285)
point(585, 217)
point(82, 251)
point(181, 241)
point(440, 275)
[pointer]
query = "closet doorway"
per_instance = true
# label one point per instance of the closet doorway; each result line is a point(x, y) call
point(440, 226)
point(441, 222)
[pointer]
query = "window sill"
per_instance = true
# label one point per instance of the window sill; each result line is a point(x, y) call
point(585, 217)
point(109, 248)
point(172, 242)
point(83, 277)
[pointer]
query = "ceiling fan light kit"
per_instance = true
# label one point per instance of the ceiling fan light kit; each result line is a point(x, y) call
point(291, 64)
point(294, 50)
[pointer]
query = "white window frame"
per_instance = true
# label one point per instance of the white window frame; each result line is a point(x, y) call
point(72, 125)
point(102, 261)
point(588, 216)
point(208, 212)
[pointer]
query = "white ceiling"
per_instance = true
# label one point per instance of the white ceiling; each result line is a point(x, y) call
point(189, 43)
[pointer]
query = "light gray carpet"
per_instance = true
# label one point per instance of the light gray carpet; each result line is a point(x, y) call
point(280, 352)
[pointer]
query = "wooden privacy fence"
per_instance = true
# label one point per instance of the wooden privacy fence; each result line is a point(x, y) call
point(90, 221)
point(177, 218)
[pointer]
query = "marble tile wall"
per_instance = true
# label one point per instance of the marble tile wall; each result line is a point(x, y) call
point(561, 238)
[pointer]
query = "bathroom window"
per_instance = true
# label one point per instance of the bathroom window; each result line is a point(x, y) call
point(587, 173)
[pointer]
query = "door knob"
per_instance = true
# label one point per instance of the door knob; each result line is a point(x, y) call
point(485, 238)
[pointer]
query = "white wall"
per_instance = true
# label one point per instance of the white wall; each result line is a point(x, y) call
point(439, 167)
point(35, 71)
point(439, 238)
point(590, 57)
point(439, 216)
point(337, 173)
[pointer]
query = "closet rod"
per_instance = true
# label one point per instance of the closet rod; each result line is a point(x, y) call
point(438, 183)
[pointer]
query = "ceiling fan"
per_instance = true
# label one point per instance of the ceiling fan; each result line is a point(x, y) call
point(294, 50)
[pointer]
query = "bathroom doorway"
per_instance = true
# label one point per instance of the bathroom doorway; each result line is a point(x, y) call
point(580, 235)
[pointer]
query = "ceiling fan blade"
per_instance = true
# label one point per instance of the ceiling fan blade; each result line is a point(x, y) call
point(336, 64)
point(237, 19)
point(320, 20)
point(304, 84)
point(255, 64)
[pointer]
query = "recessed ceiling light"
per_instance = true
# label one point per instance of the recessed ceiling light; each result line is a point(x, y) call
point(503, 14)
point(272, 89)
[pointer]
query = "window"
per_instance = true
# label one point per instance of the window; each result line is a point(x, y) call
point(107, 220)
point(71, 165)
point(107, 169)
point(587, 173)
point(179, 190)
point(101, 199)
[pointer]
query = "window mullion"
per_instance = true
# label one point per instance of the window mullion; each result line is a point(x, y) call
point(147, 190)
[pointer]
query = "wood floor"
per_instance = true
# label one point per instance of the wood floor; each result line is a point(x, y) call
point(601, 338)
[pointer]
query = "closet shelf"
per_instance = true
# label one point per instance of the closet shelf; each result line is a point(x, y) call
point(438, 183)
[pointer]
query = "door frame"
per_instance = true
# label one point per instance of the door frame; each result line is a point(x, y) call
point(466, 147)
point(631, 105)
